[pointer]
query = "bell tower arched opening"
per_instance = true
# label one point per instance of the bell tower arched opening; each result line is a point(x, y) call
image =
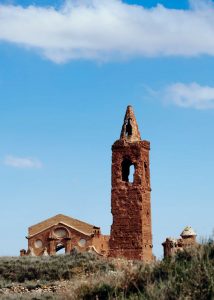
point(128, 127)
point(128, 170)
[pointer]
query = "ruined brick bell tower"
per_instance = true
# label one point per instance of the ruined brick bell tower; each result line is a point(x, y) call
point(131, 232)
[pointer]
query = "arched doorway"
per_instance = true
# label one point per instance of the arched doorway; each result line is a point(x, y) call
point(60, 249)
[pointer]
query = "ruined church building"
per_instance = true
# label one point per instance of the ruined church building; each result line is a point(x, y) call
point(131, 230)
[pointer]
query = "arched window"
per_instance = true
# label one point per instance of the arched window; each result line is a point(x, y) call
point(128, 127)
point(128, 170)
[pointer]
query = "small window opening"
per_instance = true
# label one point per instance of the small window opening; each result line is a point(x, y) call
point(128, 170)
point(60, 249)
point(128, 127)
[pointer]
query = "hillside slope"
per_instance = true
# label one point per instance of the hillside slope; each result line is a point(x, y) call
point(188, 275)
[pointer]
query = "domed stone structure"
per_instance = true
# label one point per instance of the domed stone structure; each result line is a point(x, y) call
point(172, 245)
point(188, 232)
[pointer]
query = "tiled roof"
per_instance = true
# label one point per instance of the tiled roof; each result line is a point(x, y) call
point(70, 222)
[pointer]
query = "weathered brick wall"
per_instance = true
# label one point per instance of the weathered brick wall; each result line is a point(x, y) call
point(101, 244)
point(49, 241)
point(53, 234)
point(131, 233)
point(172, 246)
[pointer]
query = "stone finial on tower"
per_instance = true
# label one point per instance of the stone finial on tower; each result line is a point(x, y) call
point(130, 131)
point(188, 232)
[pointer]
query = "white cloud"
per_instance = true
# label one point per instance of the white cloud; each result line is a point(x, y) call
point(22, 162)
point(109, 29)
point(190, 95)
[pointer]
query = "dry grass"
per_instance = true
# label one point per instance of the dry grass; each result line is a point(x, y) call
point(188, 275)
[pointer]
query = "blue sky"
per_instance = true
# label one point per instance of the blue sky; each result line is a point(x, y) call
point(63, 96)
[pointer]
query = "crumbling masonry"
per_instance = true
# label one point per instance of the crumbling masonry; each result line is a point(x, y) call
point(131, 231)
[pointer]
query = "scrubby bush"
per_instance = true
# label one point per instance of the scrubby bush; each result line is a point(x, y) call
point(187, 275)
point(21, 269)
